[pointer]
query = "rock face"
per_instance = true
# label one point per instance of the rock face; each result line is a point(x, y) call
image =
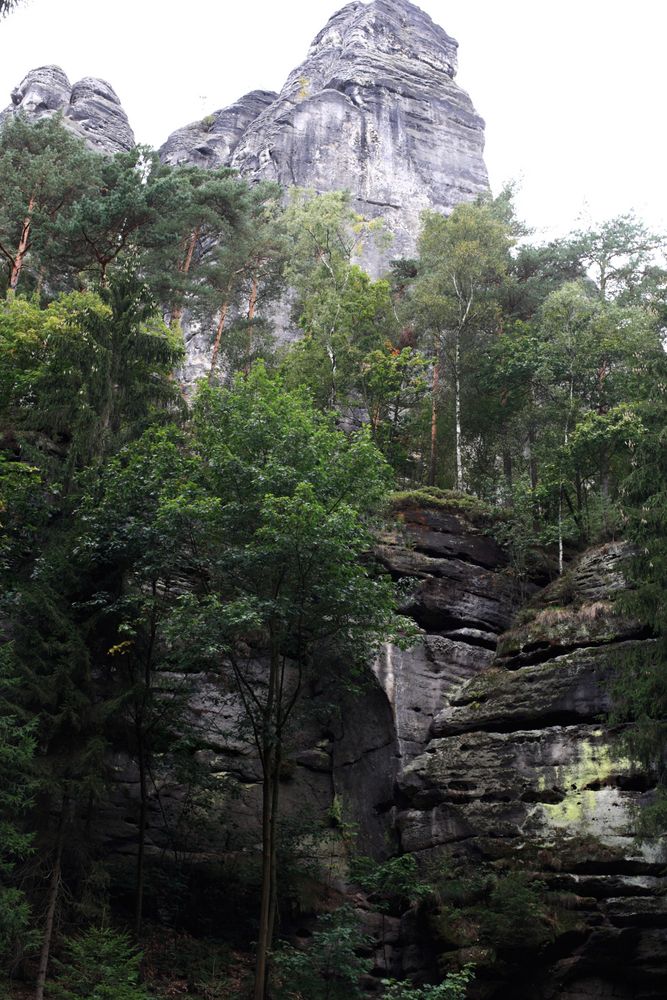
point(520, 766)
point(457, 593)
point(212, 141)
point(90, 108)
point(483, 746)
point(374, 109)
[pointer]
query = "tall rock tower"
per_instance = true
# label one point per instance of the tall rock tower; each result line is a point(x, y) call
point(374, 110)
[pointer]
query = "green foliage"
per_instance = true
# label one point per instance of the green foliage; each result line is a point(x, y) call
point(44, 172)
point(641, 691)
point(87, 371)
point(454, 987)
point(101, 964)
point(504, 910)
point(392, 884)
point(17, 749)
point(329, 968)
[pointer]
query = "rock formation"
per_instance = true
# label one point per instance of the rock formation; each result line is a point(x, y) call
point(484, 745)
point(374, 109)
point(521, 767)
point(91, 108)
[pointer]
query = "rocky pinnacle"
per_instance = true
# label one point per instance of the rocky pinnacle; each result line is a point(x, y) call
point(373, 109)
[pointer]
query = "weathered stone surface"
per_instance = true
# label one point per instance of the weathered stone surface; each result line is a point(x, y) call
point(576, 610)
point(212, 141)
point(571, 688)
point(418, 681)
point(91, 108)
point(374, 109)
point(523, 771)
point(460, 598)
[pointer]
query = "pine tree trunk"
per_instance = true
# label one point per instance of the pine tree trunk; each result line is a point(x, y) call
point(22, 248)
point(218, 340)
point(252, 302)
point(184, 268)
point(52, 902)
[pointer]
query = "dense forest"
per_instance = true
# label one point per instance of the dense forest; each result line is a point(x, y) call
point(152, 529)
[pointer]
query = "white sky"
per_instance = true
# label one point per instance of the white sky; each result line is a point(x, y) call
point(573, 91)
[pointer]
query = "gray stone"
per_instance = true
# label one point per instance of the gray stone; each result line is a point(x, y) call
point(373, 109)
point(91, 108)
point(575, 687)
point(211, 141)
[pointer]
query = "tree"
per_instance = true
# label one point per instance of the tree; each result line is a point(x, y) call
point(593, 357)
point(342, 324)
point(17, 748)
point(618, 254)
point(337, 305)
point(88, 371)
point(100, 965)
point(121, 540)
point(277, 531)
point(462, 258)
point(133, 205)
point(44, 172)
point(6, 6)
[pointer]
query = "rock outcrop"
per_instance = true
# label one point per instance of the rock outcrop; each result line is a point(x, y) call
point(91, 108)
point(483, 749)
point(522, 771)
point(374, 109)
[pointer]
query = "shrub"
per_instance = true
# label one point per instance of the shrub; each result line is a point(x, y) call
point(329, 969)
point(101, 964)
point(454, 987)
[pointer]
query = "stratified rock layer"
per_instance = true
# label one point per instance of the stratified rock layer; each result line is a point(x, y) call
point(374, 109)
point(521, 769)
point(91, 108)
point(461, 754)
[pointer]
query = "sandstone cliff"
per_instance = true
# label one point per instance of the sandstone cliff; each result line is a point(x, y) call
point(482, 749)
point(90, 108)
point(374, 109)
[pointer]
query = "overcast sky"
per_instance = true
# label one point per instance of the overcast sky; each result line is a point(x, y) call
point(573, 92)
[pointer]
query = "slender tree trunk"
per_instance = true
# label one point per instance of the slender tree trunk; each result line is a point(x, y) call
point(532, 460)
point(560, 530)
point(187, 260)
point(218, 340)
point(22, 248)
point(457, 407)
point(141, 844)
point(252, 302)
point(507, 467)
point(270, 791)
point(273, 910)
point(184, 268)
point(566, 438)
point(434, 423)
point(266, 904)
point(52, 902)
